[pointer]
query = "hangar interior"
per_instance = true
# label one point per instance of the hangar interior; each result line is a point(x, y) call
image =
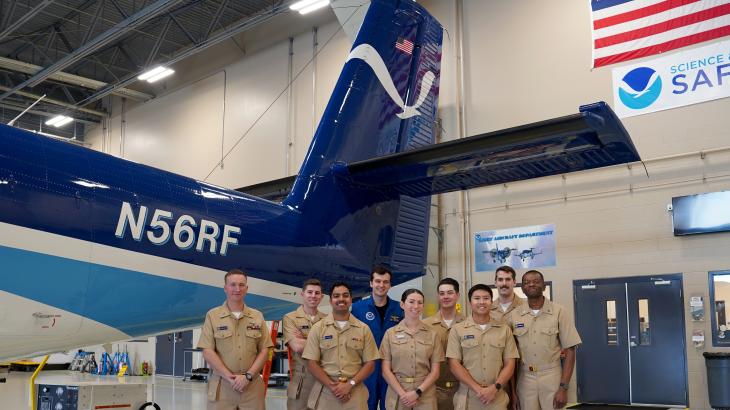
point(228, 117)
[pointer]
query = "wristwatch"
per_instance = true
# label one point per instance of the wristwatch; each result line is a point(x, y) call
point(419, 392)
point(564, 386)
point(248, 375)
point(498, 386)
point(352, 382)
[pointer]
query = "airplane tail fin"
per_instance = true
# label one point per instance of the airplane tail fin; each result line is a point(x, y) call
point(384, 102)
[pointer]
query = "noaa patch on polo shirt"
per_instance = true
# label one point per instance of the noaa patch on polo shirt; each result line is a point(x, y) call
point(370, 316)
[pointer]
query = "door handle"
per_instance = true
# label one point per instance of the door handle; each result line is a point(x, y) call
point(633, 344)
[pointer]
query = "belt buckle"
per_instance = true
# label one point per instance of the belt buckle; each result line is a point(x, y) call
point(409, 379)
point(450, 384)
point(342, 379)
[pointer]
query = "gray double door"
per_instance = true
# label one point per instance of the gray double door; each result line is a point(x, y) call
point(633, 333)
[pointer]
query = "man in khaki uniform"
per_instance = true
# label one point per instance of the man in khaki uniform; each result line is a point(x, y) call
point(542, 329)
point(340, 353)
point(441, 323)
point(297, 325)
point(236, 344)
point(481, 354)
point(505, 280)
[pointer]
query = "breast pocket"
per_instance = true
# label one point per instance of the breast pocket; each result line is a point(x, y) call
point(424, 348)
point(470, 343)
point(550, 337)
point(355, 344)
point(520, 332)
point(327, 344)
point(223, 340)
point(252, 339)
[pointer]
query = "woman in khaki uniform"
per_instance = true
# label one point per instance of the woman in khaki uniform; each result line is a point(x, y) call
point(412, 355)
point(482, 354)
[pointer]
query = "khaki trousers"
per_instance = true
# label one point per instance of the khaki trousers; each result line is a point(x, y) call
point(321, 398)
point(428, 400)
point(465, 399)
point(536, 390)
point(298, 391)
point(221, 395)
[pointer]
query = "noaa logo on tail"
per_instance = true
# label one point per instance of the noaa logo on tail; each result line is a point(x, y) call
point(640, 88)
point(370, 56)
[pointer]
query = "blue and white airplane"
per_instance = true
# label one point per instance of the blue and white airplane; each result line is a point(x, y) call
point(96, 249)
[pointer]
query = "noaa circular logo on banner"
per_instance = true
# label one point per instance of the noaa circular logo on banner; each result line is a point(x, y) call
point(640, 87)
point(370, 316)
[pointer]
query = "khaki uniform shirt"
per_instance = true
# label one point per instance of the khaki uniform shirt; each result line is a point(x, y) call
point(299, 320)
point(340, 352)
point(437, 324)
point(411, 354)
point(542, 337)
point(237, 341)
point(505, 317)
point(482, 352)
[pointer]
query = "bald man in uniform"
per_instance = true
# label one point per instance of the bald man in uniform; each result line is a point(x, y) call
point(542, 329)
point(340, 353)
point(236, 344)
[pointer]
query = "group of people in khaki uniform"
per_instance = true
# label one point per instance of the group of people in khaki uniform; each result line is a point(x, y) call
point(508, 353)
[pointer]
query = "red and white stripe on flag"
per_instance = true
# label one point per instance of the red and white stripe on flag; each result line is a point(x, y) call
point(406, 46)
point(629, 29)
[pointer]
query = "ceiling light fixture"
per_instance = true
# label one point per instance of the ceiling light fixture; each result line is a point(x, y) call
point(151, 73)
point(160, 76)
point(59, 121)
point(308, 6)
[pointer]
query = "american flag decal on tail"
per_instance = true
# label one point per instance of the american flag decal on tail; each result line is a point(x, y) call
point(404, 45)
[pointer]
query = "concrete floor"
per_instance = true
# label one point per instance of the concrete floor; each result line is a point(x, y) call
point(170, 393)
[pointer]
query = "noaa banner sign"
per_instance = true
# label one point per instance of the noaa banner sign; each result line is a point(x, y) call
point(684, 78)
point(526, 247)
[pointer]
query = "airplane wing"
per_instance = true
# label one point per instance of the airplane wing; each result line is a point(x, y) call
point(592, 138)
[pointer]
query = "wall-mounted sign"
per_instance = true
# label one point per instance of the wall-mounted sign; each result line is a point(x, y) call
point(683, 78)
point(525, 247)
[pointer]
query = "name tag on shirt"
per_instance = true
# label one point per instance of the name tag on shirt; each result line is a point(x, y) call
point(222, 328)
point(519, 325)
point(327, 337)
point(356, 339)
point(400, 336)
point(304, 327)
point(253, 327)
point(466, 337)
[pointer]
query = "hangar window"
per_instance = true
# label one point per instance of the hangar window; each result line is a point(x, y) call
point(720, 304)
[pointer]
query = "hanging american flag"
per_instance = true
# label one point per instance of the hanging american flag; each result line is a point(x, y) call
point(405, 45)
point(629, 29)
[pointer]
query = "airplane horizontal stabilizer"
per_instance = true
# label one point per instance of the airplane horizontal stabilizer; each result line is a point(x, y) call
point(593, 138)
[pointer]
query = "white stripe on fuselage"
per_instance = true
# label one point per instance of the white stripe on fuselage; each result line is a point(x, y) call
point(62, 246)
point(36, 337)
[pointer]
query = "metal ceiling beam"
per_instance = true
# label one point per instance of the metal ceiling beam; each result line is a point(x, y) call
point(98, 42)
point(56, 102)
point(20, 108)
point(29, 15)
point(72, 79)
point(218, 37)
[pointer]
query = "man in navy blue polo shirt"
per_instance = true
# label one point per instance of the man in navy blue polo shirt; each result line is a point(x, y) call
point(380, 313)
